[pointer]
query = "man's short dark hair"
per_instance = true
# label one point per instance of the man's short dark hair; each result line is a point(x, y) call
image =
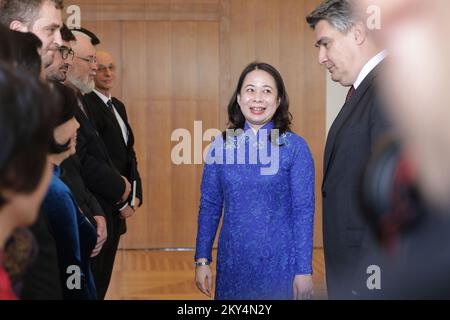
point(338, 13)
point(66, 34)
point(25, 11)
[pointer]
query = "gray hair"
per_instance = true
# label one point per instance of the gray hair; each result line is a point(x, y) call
point(338, 13)
point(25, 11)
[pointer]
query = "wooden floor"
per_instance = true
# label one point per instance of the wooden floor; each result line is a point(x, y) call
point(169, 275)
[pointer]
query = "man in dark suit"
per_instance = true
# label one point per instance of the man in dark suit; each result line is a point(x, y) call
point(110, 117)
point(71, 174)
point(99, 174)
point(348, 50)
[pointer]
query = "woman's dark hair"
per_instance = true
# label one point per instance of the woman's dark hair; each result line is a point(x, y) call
point(26, 128)
point(68, 104)
point(281, 119)
point(5, 47)
point(25, 46)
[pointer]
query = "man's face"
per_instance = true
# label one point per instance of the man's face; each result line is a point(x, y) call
point(47, 27)
point(84, 66)
point(336, 52)
point(62, 62)
point(104, 80)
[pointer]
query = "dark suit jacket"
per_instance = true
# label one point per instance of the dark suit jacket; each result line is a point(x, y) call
point(122, 155)
point(71, 176)
point(347, 237)
point(98, 171)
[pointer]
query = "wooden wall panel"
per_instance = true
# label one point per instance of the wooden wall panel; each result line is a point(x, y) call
point(179, 61)
point(148, 10)
point(178, 87)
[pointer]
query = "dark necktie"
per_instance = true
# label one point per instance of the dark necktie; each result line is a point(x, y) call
point(110, 106)
point(350, 94)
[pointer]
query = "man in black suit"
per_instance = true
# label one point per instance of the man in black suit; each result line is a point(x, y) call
point(71, 174)
point(99, 174)
point(348, 50)
point(110, 117)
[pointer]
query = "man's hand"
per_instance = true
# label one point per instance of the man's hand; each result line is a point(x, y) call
point(127, 212)
point(127, 191)
point(102, 235)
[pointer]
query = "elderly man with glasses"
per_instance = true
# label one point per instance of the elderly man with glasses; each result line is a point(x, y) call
point(98, 171)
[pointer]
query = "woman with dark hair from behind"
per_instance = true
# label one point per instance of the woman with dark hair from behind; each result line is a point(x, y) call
point(25, 132)
point(75, 236)
point(29, 253)
point(5, 47)
point(266, 240)
point(26, 48)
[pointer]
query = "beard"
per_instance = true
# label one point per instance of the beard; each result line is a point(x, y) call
point(58, 75)
point(47, 60)
point(84, 85)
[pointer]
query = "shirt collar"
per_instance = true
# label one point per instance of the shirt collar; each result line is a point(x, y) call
point(104, 98)
point(268, 126)
point(368, 67)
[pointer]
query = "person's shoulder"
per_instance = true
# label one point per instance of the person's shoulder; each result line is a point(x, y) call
point(58, 188)
point(89, 97)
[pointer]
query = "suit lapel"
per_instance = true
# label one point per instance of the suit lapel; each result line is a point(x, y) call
point(110, 115)
point(343, 116)
point(120, 108)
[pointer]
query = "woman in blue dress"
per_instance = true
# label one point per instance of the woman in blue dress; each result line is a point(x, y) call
point(75, 236)
point(260, 175)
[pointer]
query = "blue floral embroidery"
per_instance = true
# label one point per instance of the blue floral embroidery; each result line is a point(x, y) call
point(267, 221)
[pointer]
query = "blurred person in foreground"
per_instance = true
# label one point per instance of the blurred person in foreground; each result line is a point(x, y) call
point(415, 228)
point(23, 183)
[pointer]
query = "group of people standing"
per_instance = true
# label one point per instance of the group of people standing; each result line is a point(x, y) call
point(377, 240)
point(69, 147)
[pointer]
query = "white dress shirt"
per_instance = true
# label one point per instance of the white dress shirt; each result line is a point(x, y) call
point(122, 124)
point(368, 67)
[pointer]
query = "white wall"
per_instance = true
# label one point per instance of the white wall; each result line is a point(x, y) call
point(335, 100)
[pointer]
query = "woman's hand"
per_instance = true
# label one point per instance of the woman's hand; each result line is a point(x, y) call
point(203, 279)
point(303, 287)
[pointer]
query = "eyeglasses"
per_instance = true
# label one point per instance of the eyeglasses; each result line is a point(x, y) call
point(90, 60)
point(66, 53)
